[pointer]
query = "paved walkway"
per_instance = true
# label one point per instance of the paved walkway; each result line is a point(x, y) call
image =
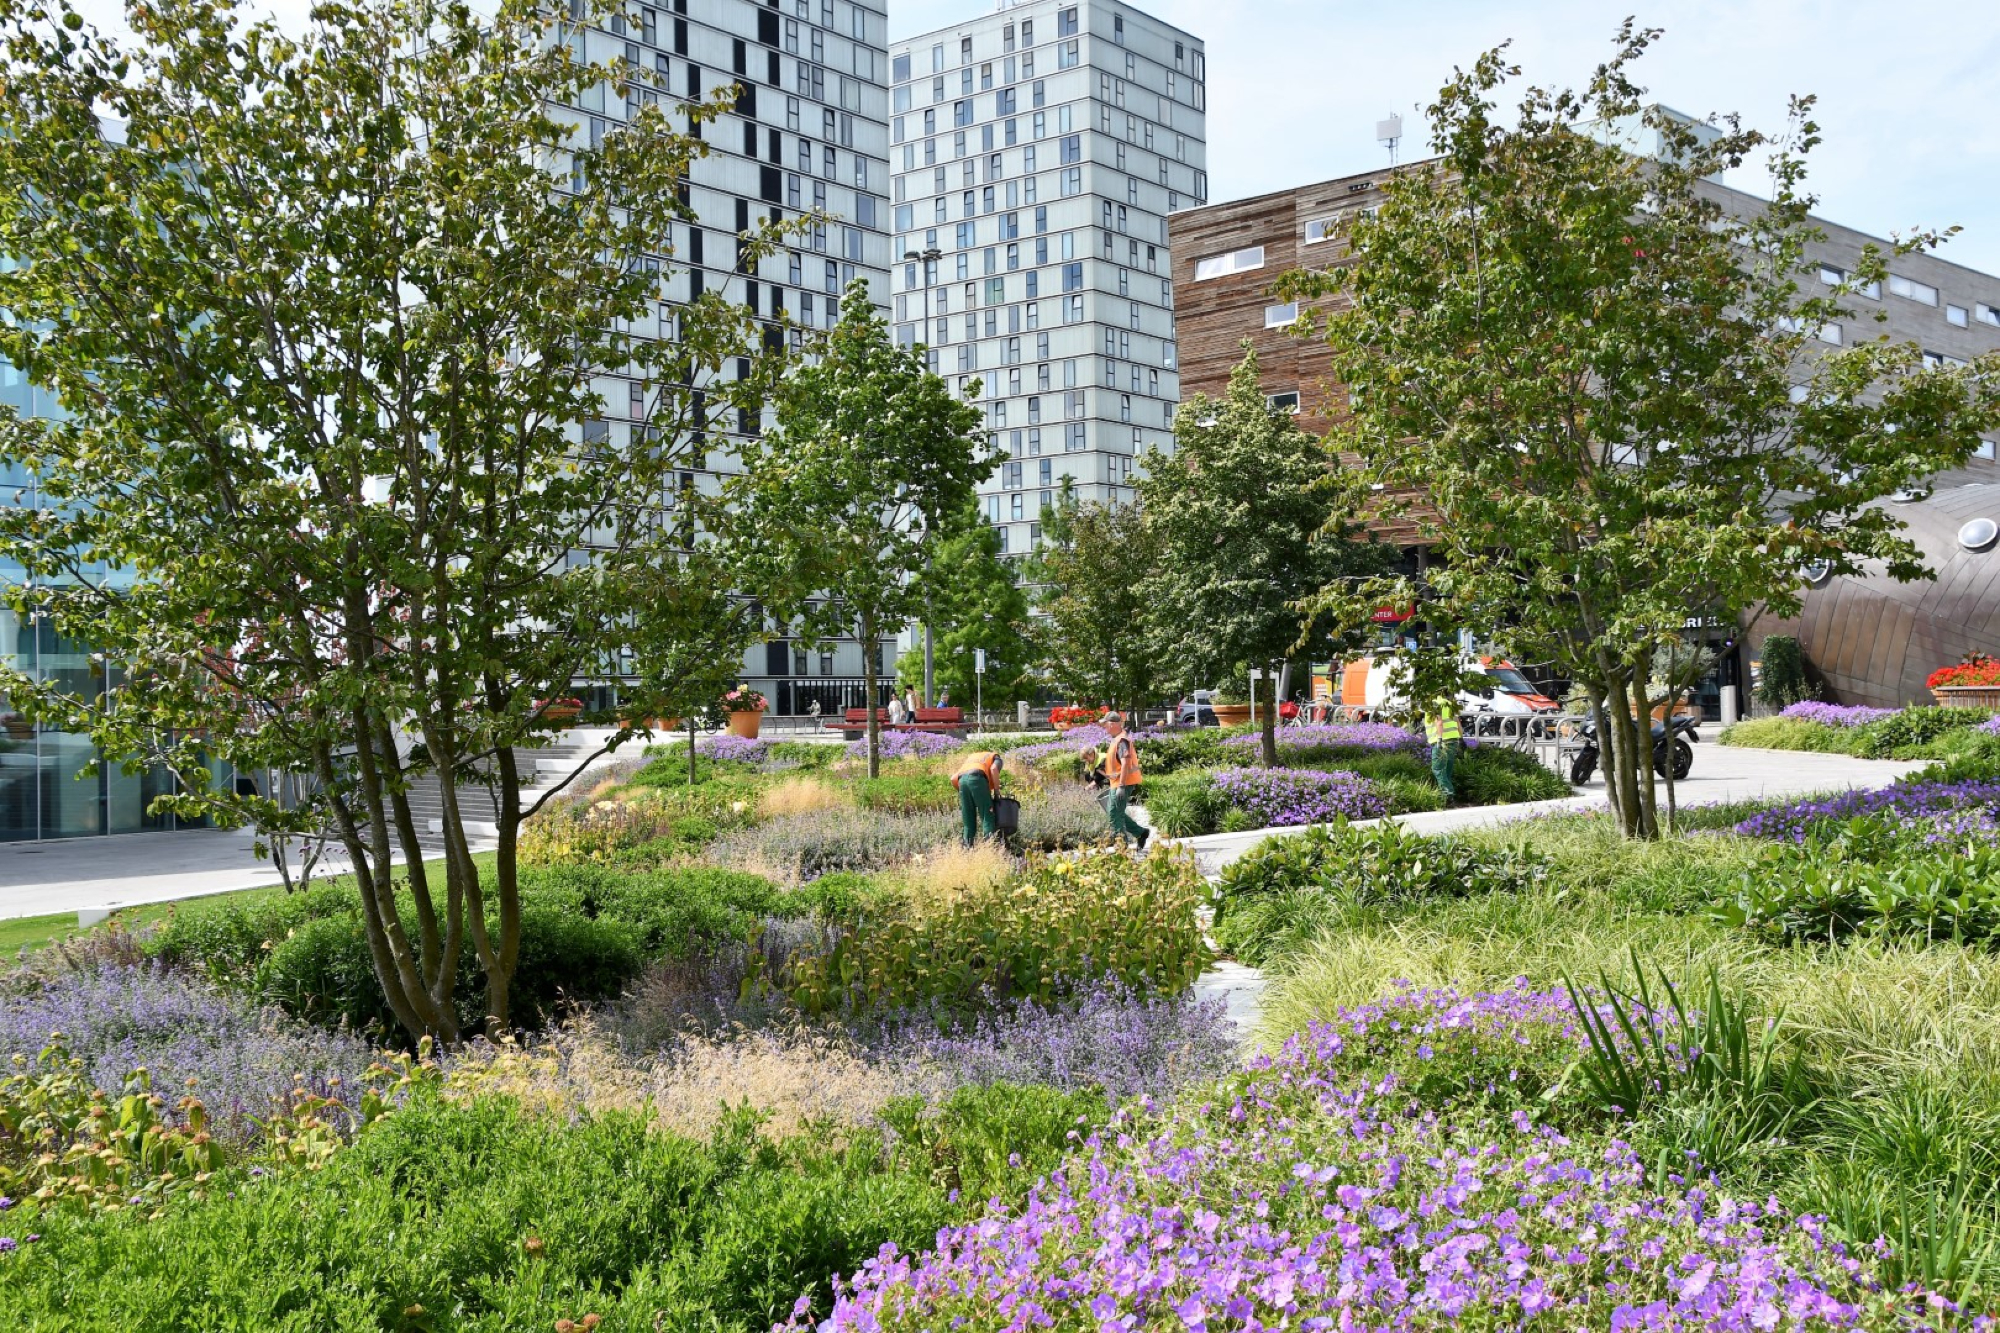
point(1722, 774)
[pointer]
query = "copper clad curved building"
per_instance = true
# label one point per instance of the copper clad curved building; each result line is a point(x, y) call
point(1873, 640)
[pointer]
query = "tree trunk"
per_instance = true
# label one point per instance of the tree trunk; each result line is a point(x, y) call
point(1627, 754)
point(868, 684)
point(1267, 690)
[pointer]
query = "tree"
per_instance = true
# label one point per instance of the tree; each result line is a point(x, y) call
point(973, 603)
point(1252, 521)
point(1583, 361)
point(872, 459)
point(1088, 639)
point(329, 328)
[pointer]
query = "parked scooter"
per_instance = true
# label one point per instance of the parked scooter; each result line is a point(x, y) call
point(1685, 734)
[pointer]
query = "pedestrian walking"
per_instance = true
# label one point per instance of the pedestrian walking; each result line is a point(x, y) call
point(978, 782)
point(899, 712)
point(1441, 729)
point(910, 704)
point(1115, 769)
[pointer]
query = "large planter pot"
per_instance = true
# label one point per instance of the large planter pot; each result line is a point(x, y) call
point(746, 724)
point(1231, 715)
point(1968, 696)
point(560, 716)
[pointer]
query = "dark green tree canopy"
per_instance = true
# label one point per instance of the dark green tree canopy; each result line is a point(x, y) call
point(871, 461)
point(972, 602)
point(1253, 520)
point(1090, 636)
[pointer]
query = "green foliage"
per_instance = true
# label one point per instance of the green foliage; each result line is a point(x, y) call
point(1409, 795)
point(1718, 1080)
point(906, 794)
point(1060, 925)
point(1791, 733)
point(973, 602)
point(872, 459)
point(284, 366)
point(1175, 751)
point(1563, 507)
point(1087, 578)
point(1247, 515)
point(1286, 890)
point(807, 755)
point(1783, 681)
point(476, 1217)
point(982, 1142)
point(1863, 879)
point(1915, 727)
point(1184, 805)
point(1500, 775)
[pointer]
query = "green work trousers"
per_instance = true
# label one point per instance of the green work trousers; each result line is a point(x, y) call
point(975, 807)
point(1114, 800)
point(1444, 756)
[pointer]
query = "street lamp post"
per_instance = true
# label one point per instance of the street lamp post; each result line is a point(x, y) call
point(927, 258)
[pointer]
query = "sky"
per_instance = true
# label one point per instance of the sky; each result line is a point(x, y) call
point(1909, 101)
point(1909, 93)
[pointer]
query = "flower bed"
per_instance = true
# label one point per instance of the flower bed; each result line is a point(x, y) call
point(733, 749)
point(1372, 737)
point(1975, 672)
point(1287, 797)
point(1913, 807)
point(908, 745)
point(1313, 1197)
point(1836, 715)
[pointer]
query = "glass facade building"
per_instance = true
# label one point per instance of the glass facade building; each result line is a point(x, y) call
point(1038, 151)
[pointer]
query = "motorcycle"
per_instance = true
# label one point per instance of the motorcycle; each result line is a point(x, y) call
point(1681, 751)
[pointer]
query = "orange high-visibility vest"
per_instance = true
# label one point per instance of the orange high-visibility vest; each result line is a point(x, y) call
point(980, 761)
point(1121, 763)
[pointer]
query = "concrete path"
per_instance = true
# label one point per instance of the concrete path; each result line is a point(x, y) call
point(94, 875)
point(1721, 774)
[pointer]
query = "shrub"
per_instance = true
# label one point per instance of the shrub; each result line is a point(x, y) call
point(1331, 743)
point(588, 830)
point(907, 794)
point(1783, 682)
point(1286, 797)
point(1061, 817)
point(1409, 796)
point(808, 755)
point(458, 1217)
point(1836, 715)
point(1500, 775)
point(908, 745)
point(1061, 927)
point(1164, 752)
point(1837, 886)
point(1285, 890)
point(1790, 733)
point(1915, 727)
point(1185, 805)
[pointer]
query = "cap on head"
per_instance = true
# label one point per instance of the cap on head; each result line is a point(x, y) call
point(1118, 718)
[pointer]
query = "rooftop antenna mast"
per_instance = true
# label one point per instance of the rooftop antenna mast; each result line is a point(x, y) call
point(1389, 133)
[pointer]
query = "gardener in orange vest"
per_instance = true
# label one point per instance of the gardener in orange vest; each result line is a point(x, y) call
point(1116, 766)
point(978, 782)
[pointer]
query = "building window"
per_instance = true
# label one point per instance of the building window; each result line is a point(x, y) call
point(1286, 402)
point(1912, 290)
point(1278, 316)
point(1236, 261)
point(1831, 333)
point(1955, 316)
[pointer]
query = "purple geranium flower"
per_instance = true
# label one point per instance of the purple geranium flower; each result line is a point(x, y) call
point(908, 745)
point(1287, 797)
point(1960, 808)
point(1373, 737)
point(739, 749)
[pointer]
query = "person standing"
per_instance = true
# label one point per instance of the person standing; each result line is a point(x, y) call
point(1117, 767)
point(899, 712)
point(978, 782)
point(1442, 731)
point(910, 703)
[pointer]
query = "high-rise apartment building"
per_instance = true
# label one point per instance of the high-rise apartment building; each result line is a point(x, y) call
point(809, 135)
point(1036, 153)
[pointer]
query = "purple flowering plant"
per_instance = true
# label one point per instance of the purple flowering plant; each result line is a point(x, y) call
point(1288, 797)
point(1361, 737)
point(1840, 716)
point(1312, 1194)
point(733, 749)
point(1931, 811)
point(908, 745)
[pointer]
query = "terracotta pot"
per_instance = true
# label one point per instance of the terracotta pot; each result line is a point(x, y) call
point(1968, 696)
point(746, 724)
point(1231, 715)
point(561, 717)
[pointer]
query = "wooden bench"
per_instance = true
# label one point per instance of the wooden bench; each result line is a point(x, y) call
point(947, 720)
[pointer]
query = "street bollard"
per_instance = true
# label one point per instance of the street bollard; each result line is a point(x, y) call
point(1730, 713)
